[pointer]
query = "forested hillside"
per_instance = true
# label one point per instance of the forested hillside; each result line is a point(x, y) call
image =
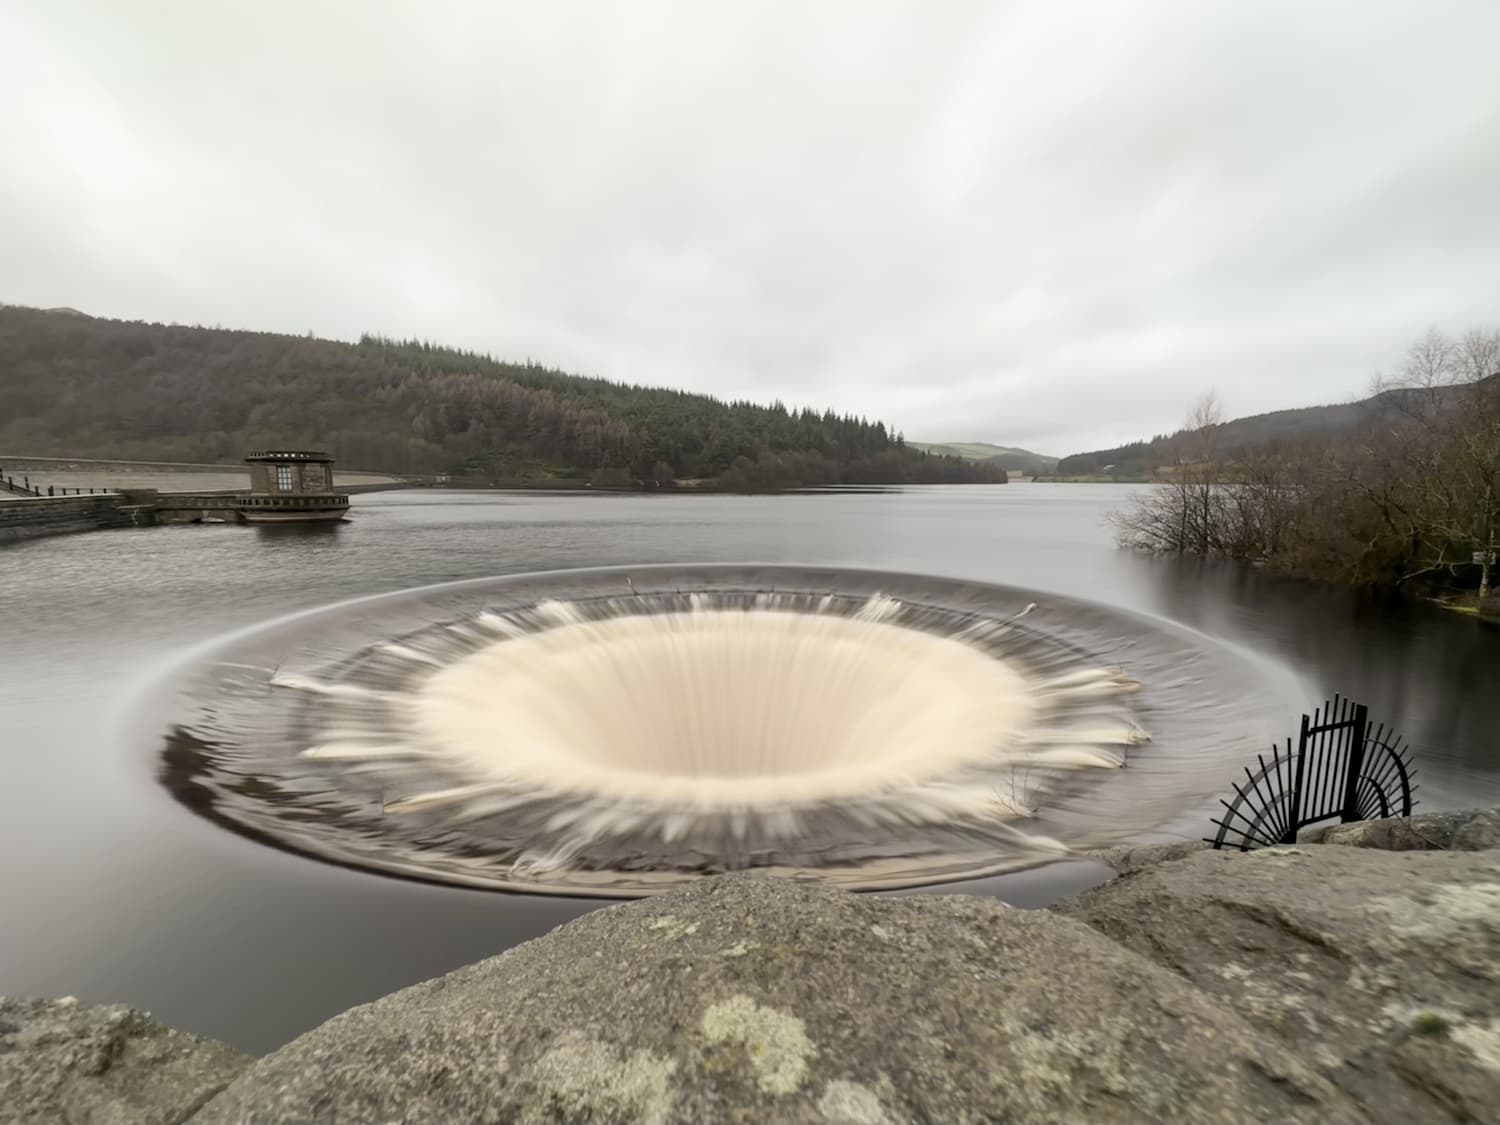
point(87, 387)
point(1139, 460)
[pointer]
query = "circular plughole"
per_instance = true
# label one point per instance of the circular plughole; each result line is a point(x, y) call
point(615, 732)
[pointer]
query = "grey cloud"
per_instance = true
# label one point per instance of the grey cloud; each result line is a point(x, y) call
point(1041, 224)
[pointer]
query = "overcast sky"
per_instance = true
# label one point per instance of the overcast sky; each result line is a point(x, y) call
point(1048, 224)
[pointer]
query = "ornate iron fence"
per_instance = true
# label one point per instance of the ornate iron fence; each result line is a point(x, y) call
point(1341, 768)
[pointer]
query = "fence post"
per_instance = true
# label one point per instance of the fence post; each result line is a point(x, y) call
point(1294, 798)
point(1356, 764)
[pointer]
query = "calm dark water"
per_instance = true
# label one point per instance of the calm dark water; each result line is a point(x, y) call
point(113, 892)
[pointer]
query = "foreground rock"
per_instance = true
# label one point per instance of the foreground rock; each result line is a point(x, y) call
point(1126, 859)
point(111, 1065)
point(1381, 969)
point(1468, 831)
point(746, 999)
point(1310, 983)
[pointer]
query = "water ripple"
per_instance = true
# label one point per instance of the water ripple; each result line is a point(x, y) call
point(613, 732)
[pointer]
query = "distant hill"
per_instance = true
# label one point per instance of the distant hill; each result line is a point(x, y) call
point(1005, 456)
point(73, 385)
point(1138, 460)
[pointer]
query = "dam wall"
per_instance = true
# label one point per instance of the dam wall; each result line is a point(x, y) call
point(34, 517)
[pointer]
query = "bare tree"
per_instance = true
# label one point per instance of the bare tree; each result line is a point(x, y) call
point(1414, 496)
point(1448, 397)
point(1477, 356)
point(1181, 516)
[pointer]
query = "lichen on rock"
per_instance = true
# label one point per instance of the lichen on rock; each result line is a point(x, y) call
point(971, 1011)
point(849, 1103)
point(592, 1081)
point(1337, 952)
point(1311, 984)
point(777, 1042)
point(103, 1064)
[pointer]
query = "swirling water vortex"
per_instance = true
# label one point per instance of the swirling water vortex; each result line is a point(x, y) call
point(613, 732)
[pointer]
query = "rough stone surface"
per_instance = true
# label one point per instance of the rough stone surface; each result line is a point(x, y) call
point(747, 999)
point(1127, 859)
point(61, 1061)
point(1469, 831)
point(1380, 969)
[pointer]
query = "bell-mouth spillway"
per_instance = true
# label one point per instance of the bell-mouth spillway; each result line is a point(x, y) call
point(616, 731)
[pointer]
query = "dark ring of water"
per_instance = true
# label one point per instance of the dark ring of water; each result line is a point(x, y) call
point(233, 744)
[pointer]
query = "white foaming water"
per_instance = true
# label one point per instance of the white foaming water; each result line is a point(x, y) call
point(614, 745)
point(724, 708)
point(617, 732)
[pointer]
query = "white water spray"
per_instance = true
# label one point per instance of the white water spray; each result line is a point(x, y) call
point(711, 722)
point(613, 733)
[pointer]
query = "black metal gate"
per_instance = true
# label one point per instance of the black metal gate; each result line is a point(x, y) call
point(1341, 768)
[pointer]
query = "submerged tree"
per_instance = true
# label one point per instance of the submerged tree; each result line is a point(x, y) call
point(1180, 515)
point(1414, 494)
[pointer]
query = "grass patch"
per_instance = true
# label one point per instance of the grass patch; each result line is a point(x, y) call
point(1430, 1024)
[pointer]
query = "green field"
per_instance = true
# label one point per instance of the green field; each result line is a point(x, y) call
point(1006, 456)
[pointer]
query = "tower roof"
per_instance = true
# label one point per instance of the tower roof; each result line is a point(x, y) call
point(315, 455)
